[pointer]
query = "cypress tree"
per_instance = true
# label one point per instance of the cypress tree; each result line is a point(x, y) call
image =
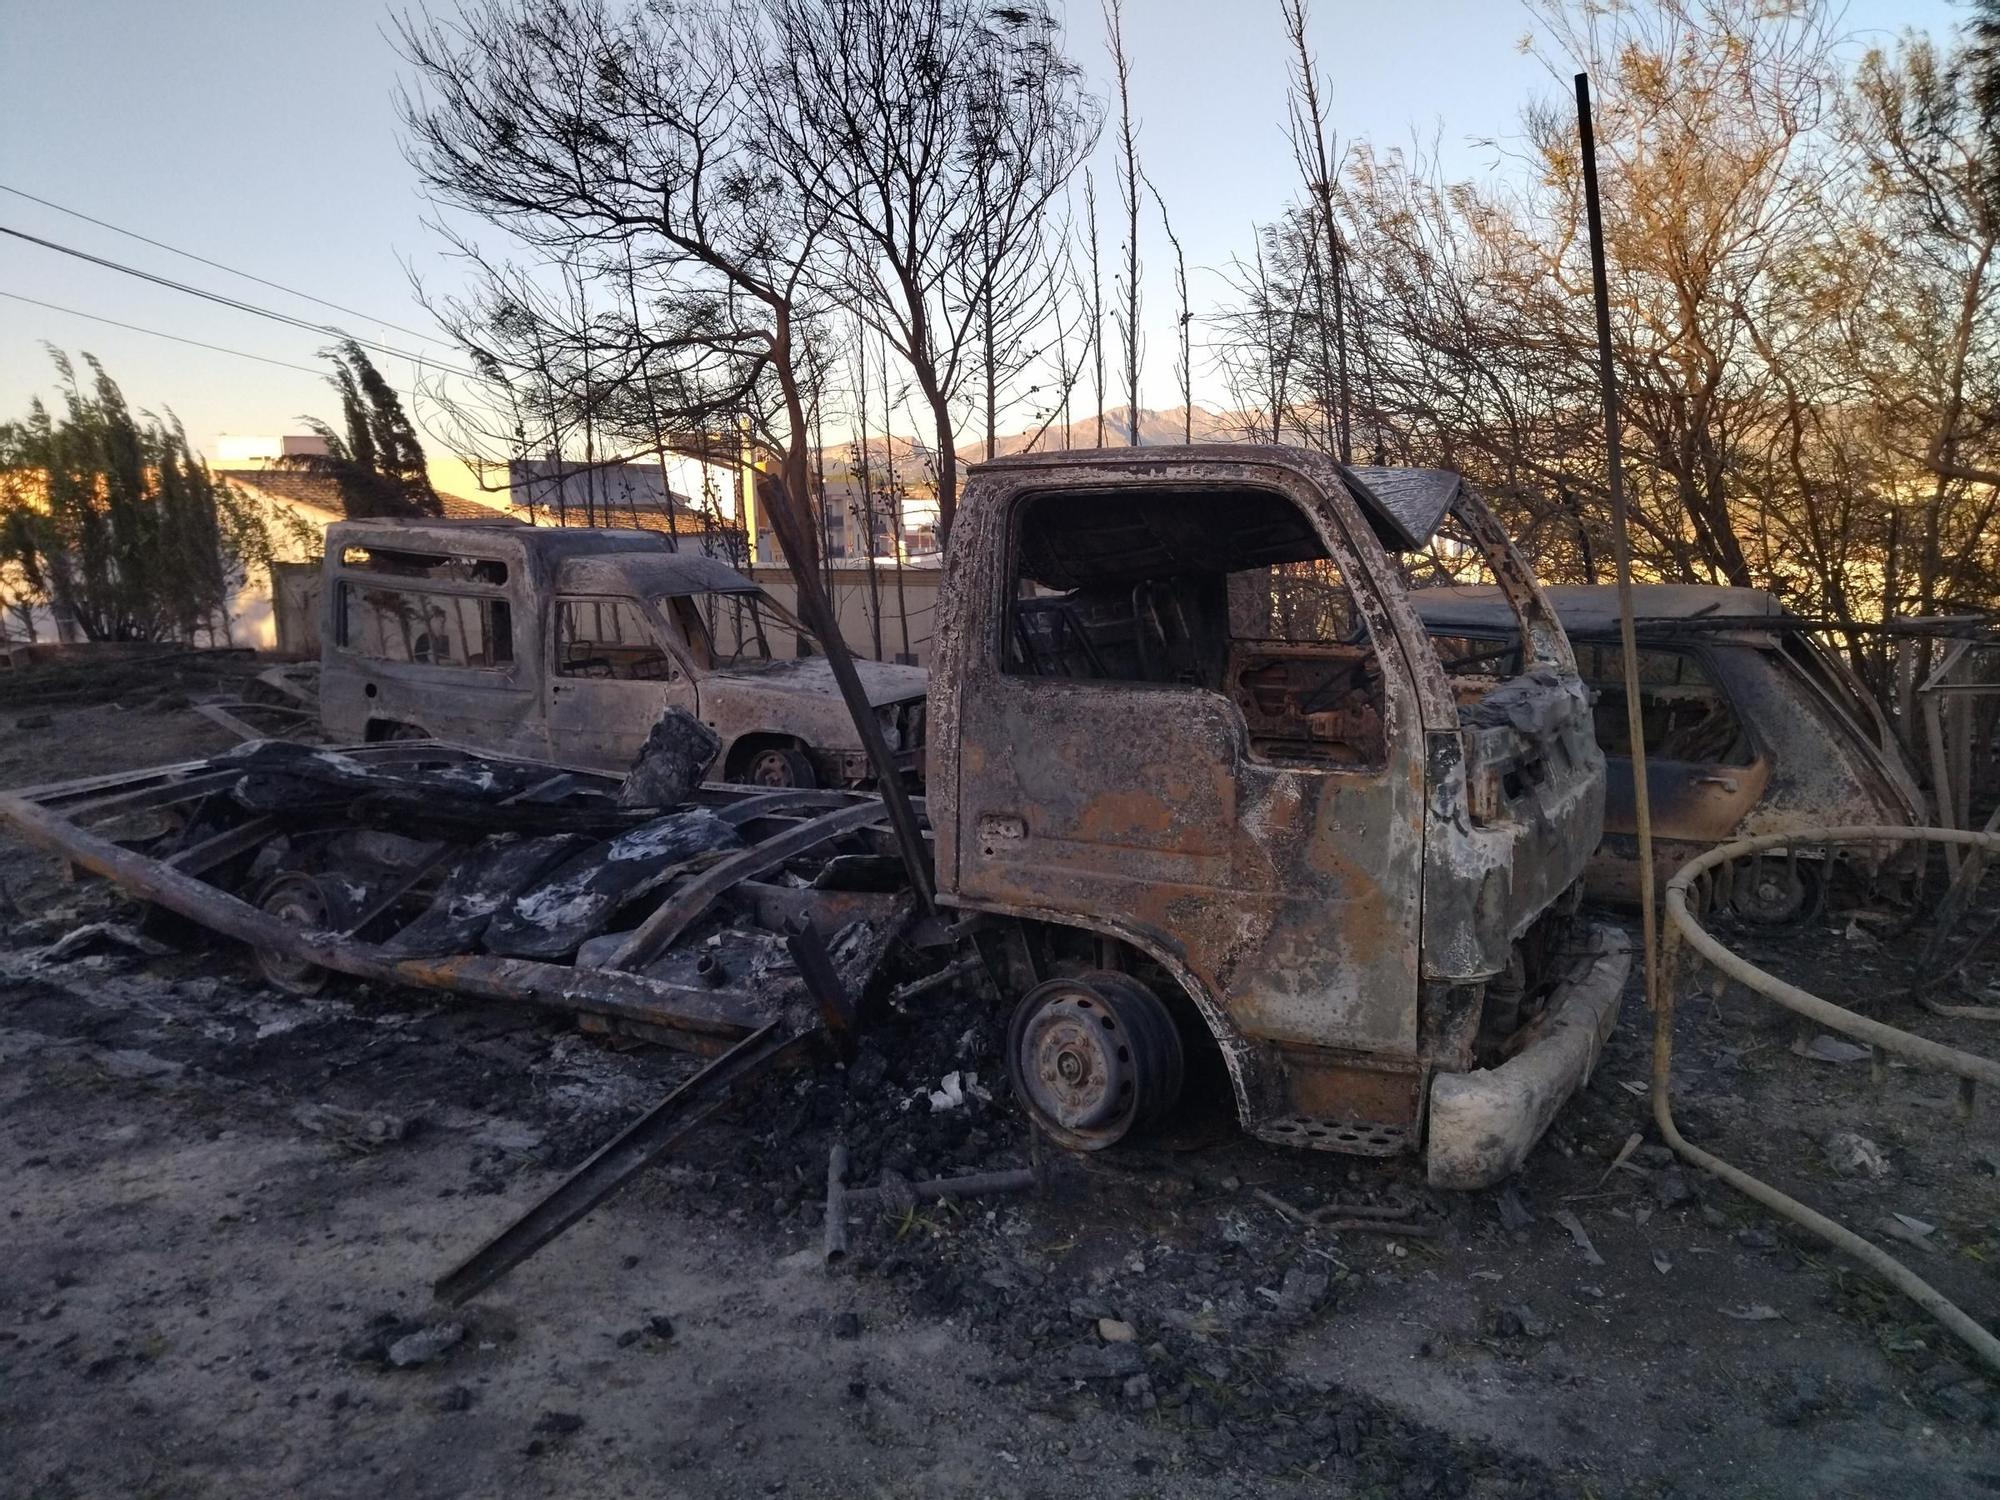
point(377, 459)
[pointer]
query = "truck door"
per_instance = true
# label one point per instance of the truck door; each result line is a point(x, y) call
point(610, 679)
point(1183, 723)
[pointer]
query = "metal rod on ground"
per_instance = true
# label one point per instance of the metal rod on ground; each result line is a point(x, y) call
point(929, 982)
point(836, 1204)
point(776, 502)
point(618, 1162)
point(840, 1197)
point(822, 980)
point(972, 1185)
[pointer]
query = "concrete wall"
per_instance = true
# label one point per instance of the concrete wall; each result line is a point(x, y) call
point(295, 610)
point(854, 603)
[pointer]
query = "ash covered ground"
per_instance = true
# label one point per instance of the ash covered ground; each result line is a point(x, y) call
point(225, 1207)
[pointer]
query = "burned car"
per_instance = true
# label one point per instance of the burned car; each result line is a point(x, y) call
point(1750, 728)
point(567, 645)
point(1188, 731)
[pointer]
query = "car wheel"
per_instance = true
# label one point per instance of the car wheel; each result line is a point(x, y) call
point(779, 765)
point(1093, 1058)
point(1777, 891)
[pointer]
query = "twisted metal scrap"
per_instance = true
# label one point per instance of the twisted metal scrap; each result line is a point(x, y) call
point(1971, 1069)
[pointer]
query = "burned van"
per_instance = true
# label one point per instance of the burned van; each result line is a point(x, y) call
point(567, 644)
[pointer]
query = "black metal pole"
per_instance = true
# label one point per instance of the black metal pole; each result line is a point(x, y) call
point(796, 543)
point(1621, 541)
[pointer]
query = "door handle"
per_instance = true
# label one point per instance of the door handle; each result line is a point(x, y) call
point(1727, 783)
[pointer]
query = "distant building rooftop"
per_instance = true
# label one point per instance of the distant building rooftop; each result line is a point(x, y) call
point(321, 492)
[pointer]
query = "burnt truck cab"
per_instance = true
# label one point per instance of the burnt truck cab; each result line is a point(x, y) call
point(1184, 710)
point(1750, 727)
point(567, 644)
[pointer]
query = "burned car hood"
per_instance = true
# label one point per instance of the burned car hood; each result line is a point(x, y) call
point(883, 682)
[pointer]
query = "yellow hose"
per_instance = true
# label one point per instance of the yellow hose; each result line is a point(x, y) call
point(1682, 925)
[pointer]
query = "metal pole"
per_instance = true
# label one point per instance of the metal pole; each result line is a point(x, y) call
point(795, 543)
point(1621, 541)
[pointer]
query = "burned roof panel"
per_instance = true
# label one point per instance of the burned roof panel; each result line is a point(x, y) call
point(655, 575)
point(1592, 609)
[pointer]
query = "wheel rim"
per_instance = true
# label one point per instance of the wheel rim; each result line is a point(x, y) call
point(1077, 1063)
point(1093, 1058)
point(770, 768)
point(297, 901)
point(1775, 893)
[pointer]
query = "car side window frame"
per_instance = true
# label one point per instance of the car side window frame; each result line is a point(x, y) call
point(1703, 657)
point(662, 639)
point(496, 607)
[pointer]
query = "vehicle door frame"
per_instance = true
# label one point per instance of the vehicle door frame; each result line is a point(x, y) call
point(664, 637)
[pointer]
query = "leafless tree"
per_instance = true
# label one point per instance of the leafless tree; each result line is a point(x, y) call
point(631, 138)
point(1184, 356)
point(931, 137)
point(1096, 302)
point(1130, 342)
point(1313, 153)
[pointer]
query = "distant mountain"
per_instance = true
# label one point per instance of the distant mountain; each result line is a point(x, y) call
point(912, 456)
point(1157, 429)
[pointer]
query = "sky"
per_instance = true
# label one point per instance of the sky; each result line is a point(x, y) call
point(262, 134)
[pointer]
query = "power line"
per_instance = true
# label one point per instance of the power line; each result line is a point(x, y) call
point(135, 328)
point(291, 291)
point(232, 302)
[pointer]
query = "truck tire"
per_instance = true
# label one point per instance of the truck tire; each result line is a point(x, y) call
point(1093, 1057)
point(779, 765)
point(299, 899)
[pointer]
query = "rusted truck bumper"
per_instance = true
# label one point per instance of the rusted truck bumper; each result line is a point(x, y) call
point(1483, 1123)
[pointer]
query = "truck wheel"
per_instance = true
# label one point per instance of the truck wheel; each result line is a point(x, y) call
point(1093, 1058)
point(294, 898)
point(778, 765)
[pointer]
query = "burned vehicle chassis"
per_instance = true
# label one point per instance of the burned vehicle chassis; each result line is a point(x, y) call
point(164, 836)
